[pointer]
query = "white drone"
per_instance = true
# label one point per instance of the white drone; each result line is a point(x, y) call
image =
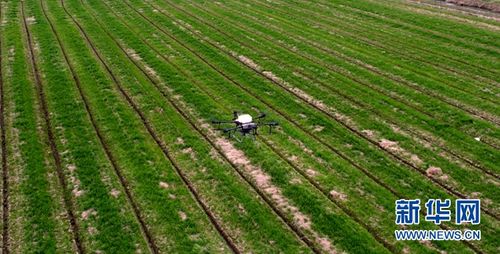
point(244, 124)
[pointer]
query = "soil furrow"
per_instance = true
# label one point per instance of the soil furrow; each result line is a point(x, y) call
point(326, 194)
point(410, 56)
point(155, 136)
point(5, 168)
point(343, 95)
point(451, 102)
point(329, 114)
point(435, 64)
point(398, 79)
point(68, 203)
point(455, 10)
point(193, 125)
point(406, 24)
point(293, 122)
point(365, 171)
point(147, 234)
point(340, 71)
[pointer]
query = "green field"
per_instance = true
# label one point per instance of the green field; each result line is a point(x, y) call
point(108, 146)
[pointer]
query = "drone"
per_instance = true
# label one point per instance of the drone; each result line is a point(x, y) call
point(244, 124)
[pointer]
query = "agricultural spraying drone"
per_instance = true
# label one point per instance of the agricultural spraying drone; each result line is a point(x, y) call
point(244, 124)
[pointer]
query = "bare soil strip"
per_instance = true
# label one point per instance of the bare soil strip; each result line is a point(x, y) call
point(437, 4)
point(484, 5)
point(365, 171)
point(451, 102)
point(68, 203)
point(328, 195)
point(155, 136)
point(474, 112)
point(319, 107)
point(345, 73)
point(457, 18)
point(195, 82)
point(366, 40)
point(5, 168)
point(215, 142)
point(480, 45)
point(123, 181)
point(337, 91)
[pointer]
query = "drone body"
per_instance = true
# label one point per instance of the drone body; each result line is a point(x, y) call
point(244, 124)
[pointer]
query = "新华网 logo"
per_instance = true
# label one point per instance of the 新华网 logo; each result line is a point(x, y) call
point(408, 212)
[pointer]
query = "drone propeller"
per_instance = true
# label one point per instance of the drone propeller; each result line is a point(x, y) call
point(261, 115)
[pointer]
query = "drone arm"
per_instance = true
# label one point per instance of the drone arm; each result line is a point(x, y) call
point(221, 121)
point(225, 130)
point(229, 131)
point(271, 125)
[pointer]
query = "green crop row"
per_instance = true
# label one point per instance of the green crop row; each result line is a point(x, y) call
point(151, 76)
point(92, 179)
point(275, 170)
point(457, 83)
point(302, 195)
point(128, 18)
point(461, 142)
point(143, 164)
point(449, 35)
point(213, 182)
point(366, 32)
point(35, 197)
point(453, 33)
point(427, 86)
point(355, 114)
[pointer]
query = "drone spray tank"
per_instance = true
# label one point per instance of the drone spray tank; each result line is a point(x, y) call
point(246, 123)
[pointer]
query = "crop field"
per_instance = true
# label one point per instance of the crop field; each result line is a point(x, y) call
point(108, 145)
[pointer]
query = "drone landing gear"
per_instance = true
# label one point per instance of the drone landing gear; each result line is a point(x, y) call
point(240, 136)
